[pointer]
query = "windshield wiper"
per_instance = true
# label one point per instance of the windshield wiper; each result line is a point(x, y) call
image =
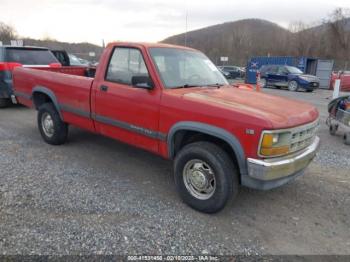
point(216, 85)
point(210, 85)
point(187, 86)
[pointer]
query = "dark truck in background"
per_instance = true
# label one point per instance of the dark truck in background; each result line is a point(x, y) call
point(71, 61)
point(13, 56)
point(67, 59)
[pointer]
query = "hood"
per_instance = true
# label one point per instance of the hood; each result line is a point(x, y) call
point(280, 112)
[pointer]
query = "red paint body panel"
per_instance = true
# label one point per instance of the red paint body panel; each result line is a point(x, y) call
point(235, 110)
point(70, 70)
point(136, 106)
point(153, 112)
point(69, 85)
point(344, 81)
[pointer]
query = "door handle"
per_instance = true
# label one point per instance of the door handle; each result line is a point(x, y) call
point(104, 88)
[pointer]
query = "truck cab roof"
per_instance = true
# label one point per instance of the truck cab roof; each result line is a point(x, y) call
point(149, 45)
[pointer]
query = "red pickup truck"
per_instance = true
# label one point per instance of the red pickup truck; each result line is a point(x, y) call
point(173, 101)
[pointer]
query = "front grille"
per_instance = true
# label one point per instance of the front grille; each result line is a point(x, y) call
point(303, 136)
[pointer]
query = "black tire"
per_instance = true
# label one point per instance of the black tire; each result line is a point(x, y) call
point(59, 130)
point(346, 139)
point(309, 90)
point(333, 129)
point(224, 171)
point(4, 102)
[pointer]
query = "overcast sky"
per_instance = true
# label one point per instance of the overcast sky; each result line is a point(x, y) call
point(148, 20)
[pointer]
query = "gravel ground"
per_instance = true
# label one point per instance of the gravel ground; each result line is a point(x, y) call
point(94, 195)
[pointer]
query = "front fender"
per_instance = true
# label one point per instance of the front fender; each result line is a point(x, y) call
point(209, 130)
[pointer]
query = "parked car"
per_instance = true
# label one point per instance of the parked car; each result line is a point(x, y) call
point(84, 61)
point(344, 77)
point(287, 76)
point(13, 56)
point(224, 73)
point(172, 101)
point(76, 61)
point(67, 59)
point(62, 57)
point(233, 71)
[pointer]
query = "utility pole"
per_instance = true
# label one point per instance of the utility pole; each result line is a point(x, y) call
point(186, 27)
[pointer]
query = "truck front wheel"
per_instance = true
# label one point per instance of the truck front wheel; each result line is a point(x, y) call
point(52, 129)
point(205, 176)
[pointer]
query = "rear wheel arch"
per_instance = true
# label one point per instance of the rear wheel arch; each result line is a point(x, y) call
point(184, 133)
point(42, 95)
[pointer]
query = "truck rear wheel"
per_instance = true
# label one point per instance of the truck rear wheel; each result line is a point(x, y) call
point(52, 129)
point(205, 176)
point(4, 102)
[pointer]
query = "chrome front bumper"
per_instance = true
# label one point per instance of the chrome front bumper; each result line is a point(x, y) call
point(270, 173)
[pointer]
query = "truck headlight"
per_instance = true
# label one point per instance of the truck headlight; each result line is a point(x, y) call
point(274, 143)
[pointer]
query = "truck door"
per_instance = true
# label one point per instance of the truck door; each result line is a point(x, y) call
point(123, 111)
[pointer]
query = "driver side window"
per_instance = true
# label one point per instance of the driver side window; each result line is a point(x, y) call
point(126, 63)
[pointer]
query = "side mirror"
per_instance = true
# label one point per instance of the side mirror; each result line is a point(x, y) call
point(142, 82)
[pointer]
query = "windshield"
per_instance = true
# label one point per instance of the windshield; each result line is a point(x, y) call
point(185, 68)
point(294, 70)
point(26, 56)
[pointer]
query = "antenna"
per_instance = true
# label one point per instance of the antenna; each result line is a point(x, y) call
point(186, 27)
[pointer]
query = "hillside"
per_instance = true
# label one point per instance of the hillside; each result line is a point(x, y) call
point(80, 49)
point(246, 38)
point(238, 40)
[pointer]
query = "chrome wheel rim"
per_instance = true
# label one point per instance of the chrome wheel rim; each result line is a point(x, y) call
point(293, 86)
point(199, 179)
point(47, 125)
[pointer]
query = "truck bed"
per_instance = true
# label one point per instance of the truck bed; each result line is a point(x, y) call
point(60, 82)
